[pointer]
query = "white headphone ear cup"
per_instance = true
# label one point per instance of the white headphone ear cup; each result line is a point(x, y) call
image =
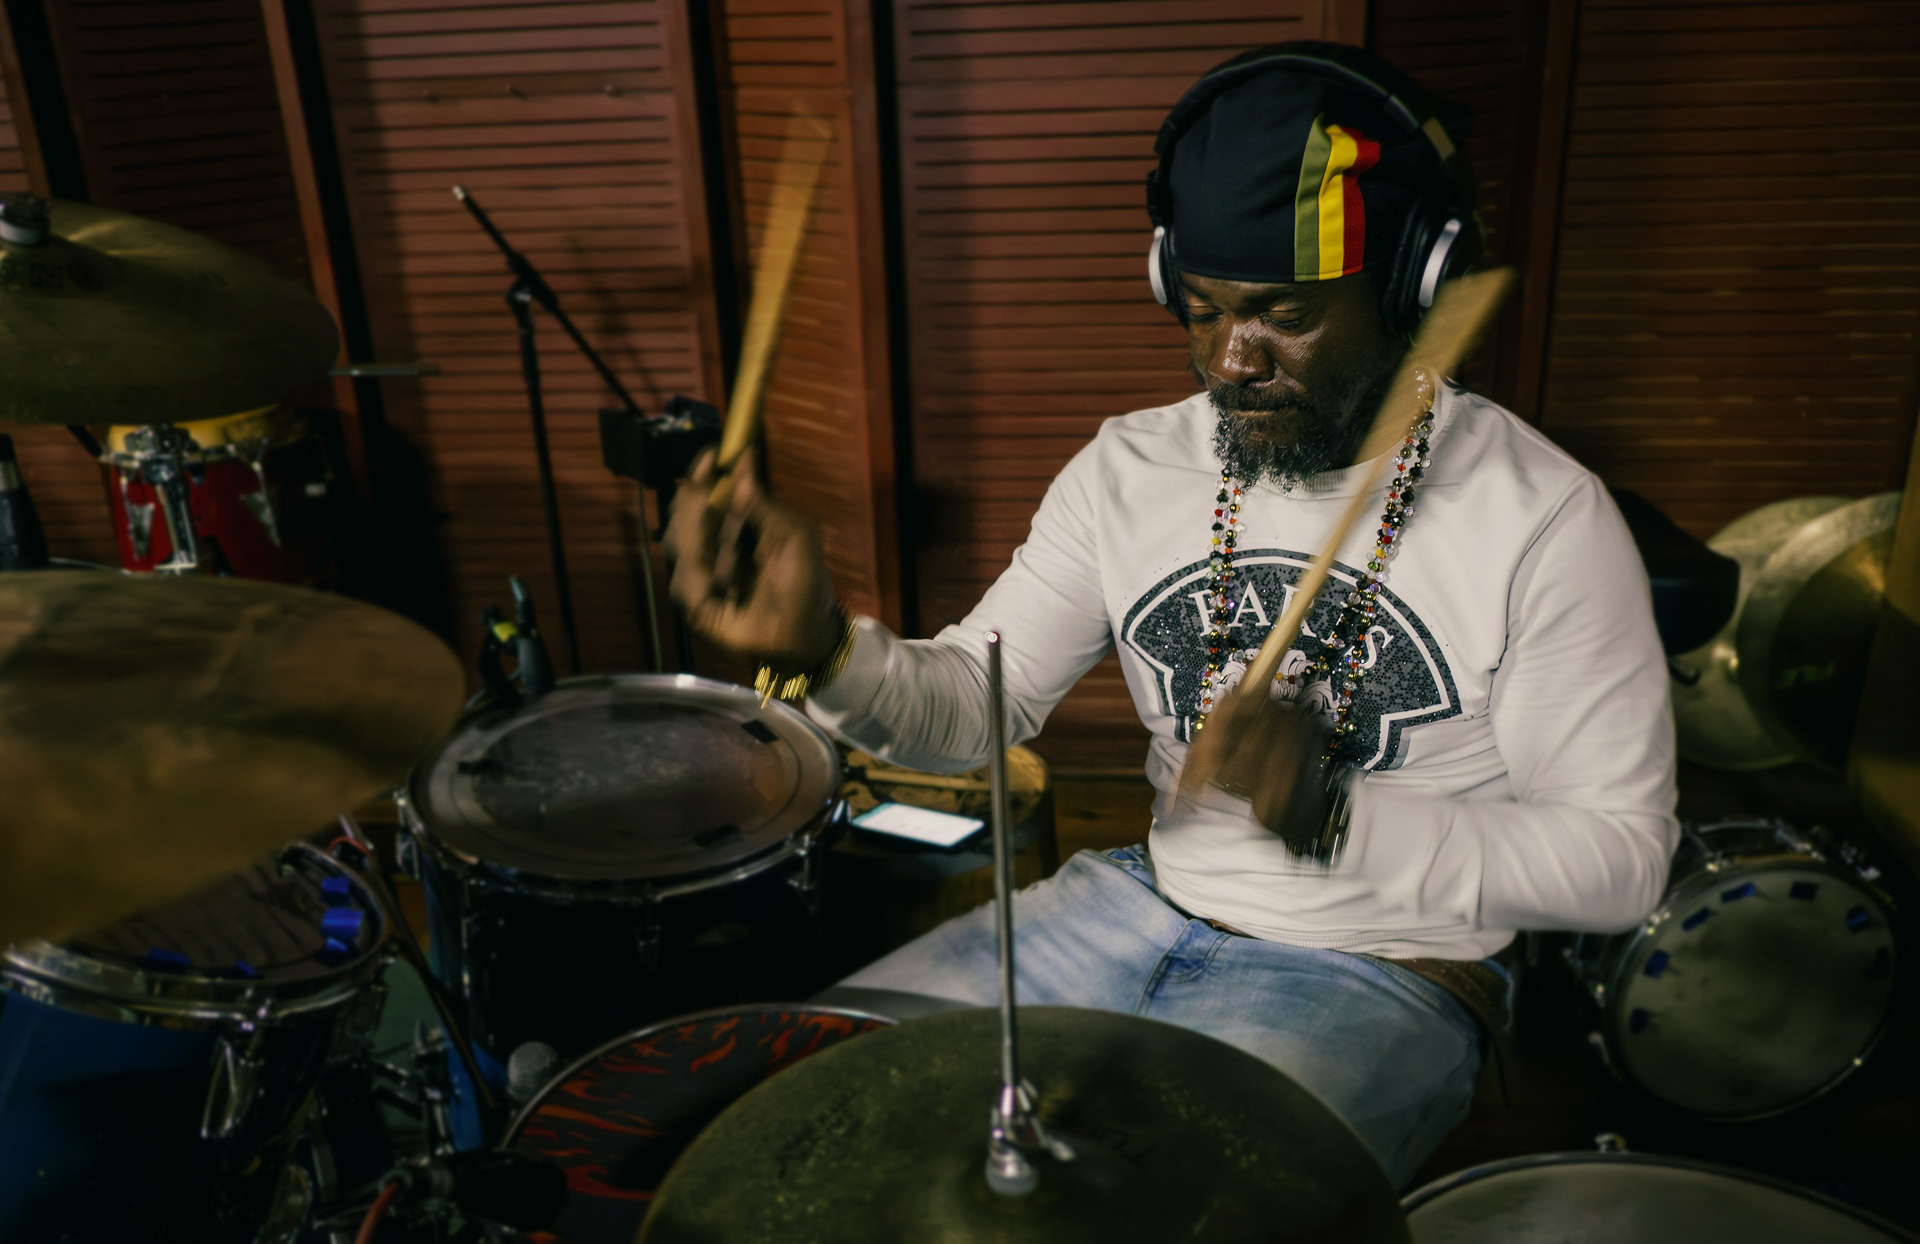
point(1156, 267)
point(1438, 264)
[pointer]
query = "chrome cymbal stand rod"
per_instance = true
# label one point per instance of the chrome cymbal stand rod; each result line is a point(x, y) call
point(1016, 1139)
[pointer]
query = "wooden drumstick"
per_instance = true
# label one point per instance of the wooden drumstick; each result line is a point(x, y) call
point(808, 138)
point(1464, 307)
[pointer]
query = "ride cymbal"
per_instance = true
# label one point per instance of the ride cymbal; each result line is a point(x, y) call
point(1177, 1137)
point(157, 732)
point(111, 318)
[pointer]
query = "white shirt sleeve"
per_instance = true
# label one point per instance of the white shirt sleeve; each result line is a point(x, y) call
point(923, 702)
point(1581, 717)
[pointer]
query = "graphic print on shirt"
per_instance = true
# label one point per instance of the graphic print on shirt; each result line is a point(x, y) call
point(1407, 682)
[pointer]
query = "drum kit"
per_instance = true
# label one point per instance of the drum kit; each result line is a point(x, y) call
point(619, 870)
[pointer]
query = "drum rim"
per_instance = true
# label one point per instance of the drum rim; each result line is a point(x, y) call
point(525, 1114)
point(1610, 966)
point(1428, 1193)
point(73, 980)
point(640, 887)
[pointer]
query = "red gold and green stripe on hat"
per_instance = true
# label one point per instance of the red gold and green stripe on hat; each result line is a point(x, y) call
point(1329, 218)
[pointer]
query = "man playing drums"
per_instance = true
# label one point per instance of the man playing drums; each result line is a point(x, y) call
point(1476, 707)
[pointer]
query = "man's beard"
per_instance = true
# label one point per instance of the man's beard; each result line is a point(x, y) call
point(1285, 439)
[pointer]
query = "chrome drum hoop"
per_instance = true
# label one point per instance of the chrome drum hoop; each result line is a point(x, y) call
point(77, 981)
point(1436, 1191)
point(415, 800)
point(472, 872)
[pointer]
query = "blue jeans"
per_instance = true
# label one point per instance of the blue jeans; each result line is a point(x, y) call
point(1394, 1054)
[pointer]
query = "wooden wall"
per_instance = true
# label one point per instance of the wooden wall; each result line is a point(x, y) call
point(1713, 205)
point(572, 125)
point(829, 415)
point(1738, 271)
point(1025, 134)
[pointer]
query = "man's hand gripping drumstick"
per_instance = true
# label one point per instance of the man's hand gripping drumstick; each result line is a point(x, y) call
point(750, 573)
point(1265, 750)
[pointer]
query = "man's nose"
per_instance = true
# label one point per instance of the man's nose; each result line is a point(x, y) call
point(1240, 360)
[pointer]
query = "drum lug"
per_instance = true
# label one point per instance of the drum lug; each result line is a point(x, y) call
point(236, 1081)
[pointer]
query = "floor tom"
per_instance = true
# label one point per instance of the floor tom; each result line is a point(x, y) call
point(1761, 981)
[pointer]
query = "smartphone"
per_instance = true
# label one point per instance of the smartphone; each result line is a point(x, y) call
point(903, 820)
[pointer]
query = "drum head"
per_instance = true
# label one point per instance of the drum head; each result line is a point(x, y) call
point(1626, 1199)
point(618, 1118)
point(627, 777)
point(1760, 985)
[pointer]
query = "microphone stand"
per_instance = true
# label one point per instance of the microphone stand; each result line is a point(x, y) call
point(529, 288)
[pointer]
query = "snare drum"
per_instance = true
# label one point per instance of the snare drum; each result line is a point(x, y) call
point(1761, 981)
point(618, 1118)
point(1629, 1198)
point(257, 491)
point(154, 1076)
point(621, 849)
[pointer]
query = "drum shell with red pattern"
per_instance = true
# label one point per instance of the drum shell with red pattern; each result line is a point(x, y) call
point(259, 503)
point(617, 1119)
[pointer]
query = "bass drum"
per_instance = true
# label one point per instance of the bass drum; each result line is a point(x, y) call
point(619, 1118)
point(154, 1076)
point(1630, 1198)
point(621, 849)
point(1760, 982)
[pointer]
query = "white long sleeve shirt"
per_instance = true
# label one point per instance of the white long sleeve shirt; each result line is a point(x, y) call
point(1520, 766)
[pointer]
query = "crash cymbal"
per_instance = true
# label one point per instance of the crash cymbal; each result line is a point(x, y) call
point(157, 732)
point(1177, 1136)
point(1714, 724)
point(110, 318)
point(1807, 626)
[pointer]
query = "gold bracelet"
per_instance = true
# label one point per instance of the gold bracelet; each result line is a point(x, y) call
point(797, 687)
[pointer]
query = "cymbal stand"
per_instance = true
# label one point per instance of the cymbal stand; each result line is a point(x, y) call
point(163, 450)
point(1016, 1138)
point(528, 288)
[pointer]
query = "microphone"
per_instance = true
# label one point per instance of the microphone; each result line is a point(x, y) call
point(529, 1068)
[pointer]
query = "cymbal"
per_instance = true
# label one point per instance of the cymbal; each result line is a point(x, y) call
point(1177, 1137)
point(157, 732)
point(1807, 627)
point(117, 319)
point(1713, 722)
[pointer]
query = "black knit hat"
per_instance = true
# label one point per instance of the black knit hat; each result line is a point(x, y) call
point(1282, 174)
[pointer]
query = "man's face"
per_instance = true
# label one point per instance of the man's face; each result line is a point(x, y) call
point(1296, 371)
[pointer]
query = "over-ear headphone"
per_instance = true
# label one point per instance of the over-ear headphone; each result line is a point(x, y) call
point(1441, 236)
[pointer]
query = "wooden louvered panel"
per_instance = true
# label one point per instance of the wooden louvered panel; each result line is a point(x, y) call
point(63, 481)
point(569, 125)
point(1026, 130)
point(177, 118)
point(1476, 54)
point(1736, 300)
point(829, 406)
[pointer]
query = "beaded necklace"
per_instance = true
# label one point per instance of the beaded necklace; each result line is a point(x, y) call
point(1346, 643)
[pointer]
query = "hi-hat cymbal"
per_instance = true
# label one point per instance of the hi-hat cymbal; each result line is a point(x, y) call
point(157, 732)
point(116, 319)
point(1178, 1137)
